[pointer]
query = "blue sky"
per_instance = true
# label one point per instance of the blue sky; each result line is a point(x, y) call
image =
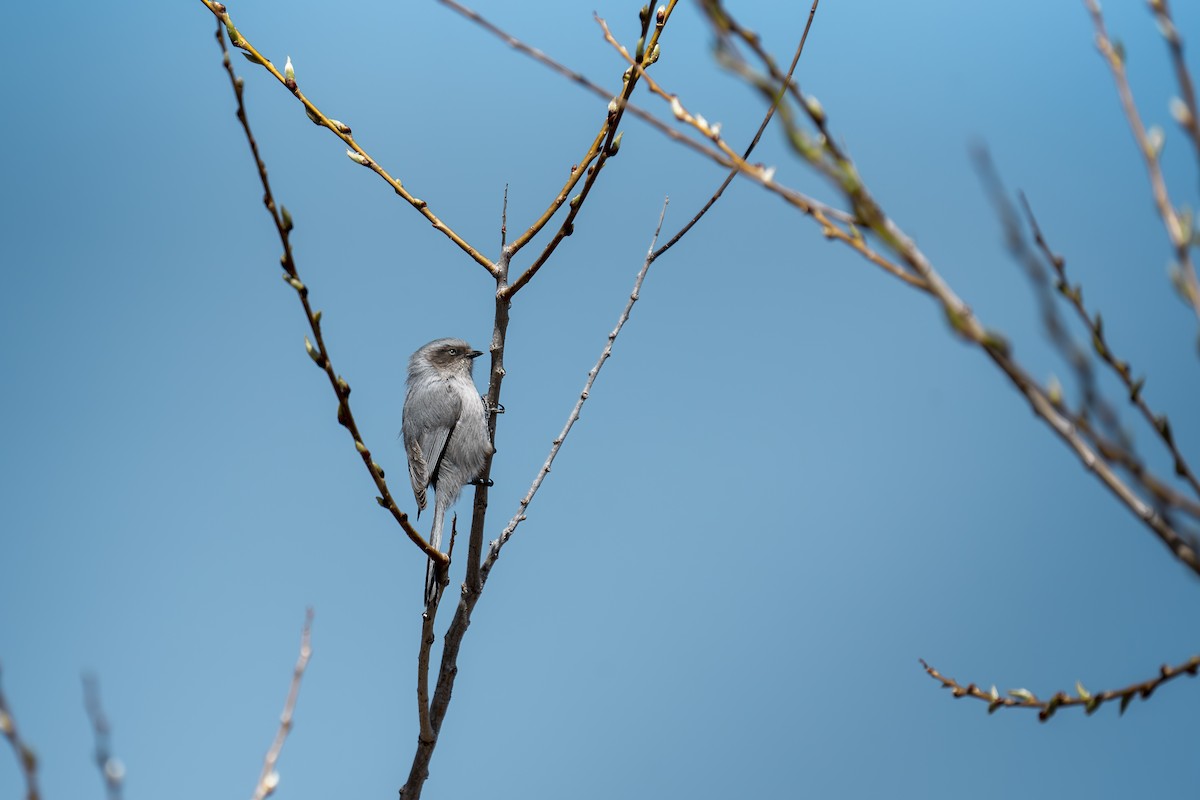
point(789, 484)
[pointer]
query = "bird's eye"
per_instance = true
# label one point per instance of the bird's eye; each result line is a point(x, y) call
point(453, 351)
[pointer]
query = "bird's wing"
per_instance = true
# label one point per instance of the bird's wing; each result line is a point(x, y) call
point(435, 421)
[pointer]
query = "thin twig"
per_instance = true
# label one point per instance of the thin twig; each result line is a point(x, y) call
point(269, 778)
point(1023, 698)
point(1188, 116)
point(1117, 447)
point(603, 147)
point(1177, 232)
point(573, 417)
point(1113, 443)
point(112, 771)
point(1092, 400)
point(1157, 422)
point(317, 349)
point(764, 176)
point(343, 132)
point(576, 77)
point(733, 173)
point(26, 758)
point(843, 174)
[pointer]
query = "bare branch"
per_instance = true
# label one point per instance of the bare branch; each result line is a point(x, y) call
point(1113, 443)
point(269, 778)
point(1122, 369)
point(111, 769)
point(1177, 231)
point(1023, 698)
point(851, 236)
point(576, 77)
point(604, 147)
point(317, 349)
point(343, 132)
point(749, 148)
point(1186, 112)
point(825, 155)
point(496, 545)
point(26, 758)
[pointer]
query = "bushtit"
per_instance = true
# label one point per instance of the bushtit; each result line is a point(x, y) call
point(445, 431)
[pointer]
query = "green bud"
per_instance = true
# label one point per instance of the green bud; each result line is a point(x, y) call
point(616, 144)
point(815, 109)
point(313, 353)
point(1181, 112)
point(1155, 139)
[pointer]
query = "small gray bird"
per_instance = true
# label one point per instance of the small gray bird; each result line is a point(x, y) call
point(445, 431)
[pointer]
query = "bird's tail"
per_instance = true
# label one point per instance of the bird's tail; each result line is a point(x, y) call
point(435, 539)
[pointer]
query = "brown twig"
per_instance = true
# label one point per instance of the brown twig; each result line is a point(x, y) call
point(317, 349)
point(733, 173)
point(26, 758)
point(112, 771)
point(343, 132)
point(1093, 403)
point(1113, 443)
point(1186, 112)
point(268, 779)
point(599, 151)
point(1177, 231)
point(651, 256)
point(576, 77)
point(835, 165)
point(605, 146)
point(1023, 698)
point(1074, 296)
point(764, 176)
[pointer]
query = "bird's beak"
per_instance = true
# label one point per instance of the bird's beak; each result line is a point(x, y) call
point(474, 354)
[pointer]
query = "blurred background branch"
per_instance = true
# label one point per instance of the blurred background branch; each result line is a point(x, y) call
point(26, 759)
point(112, 771)
point(268, 778)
